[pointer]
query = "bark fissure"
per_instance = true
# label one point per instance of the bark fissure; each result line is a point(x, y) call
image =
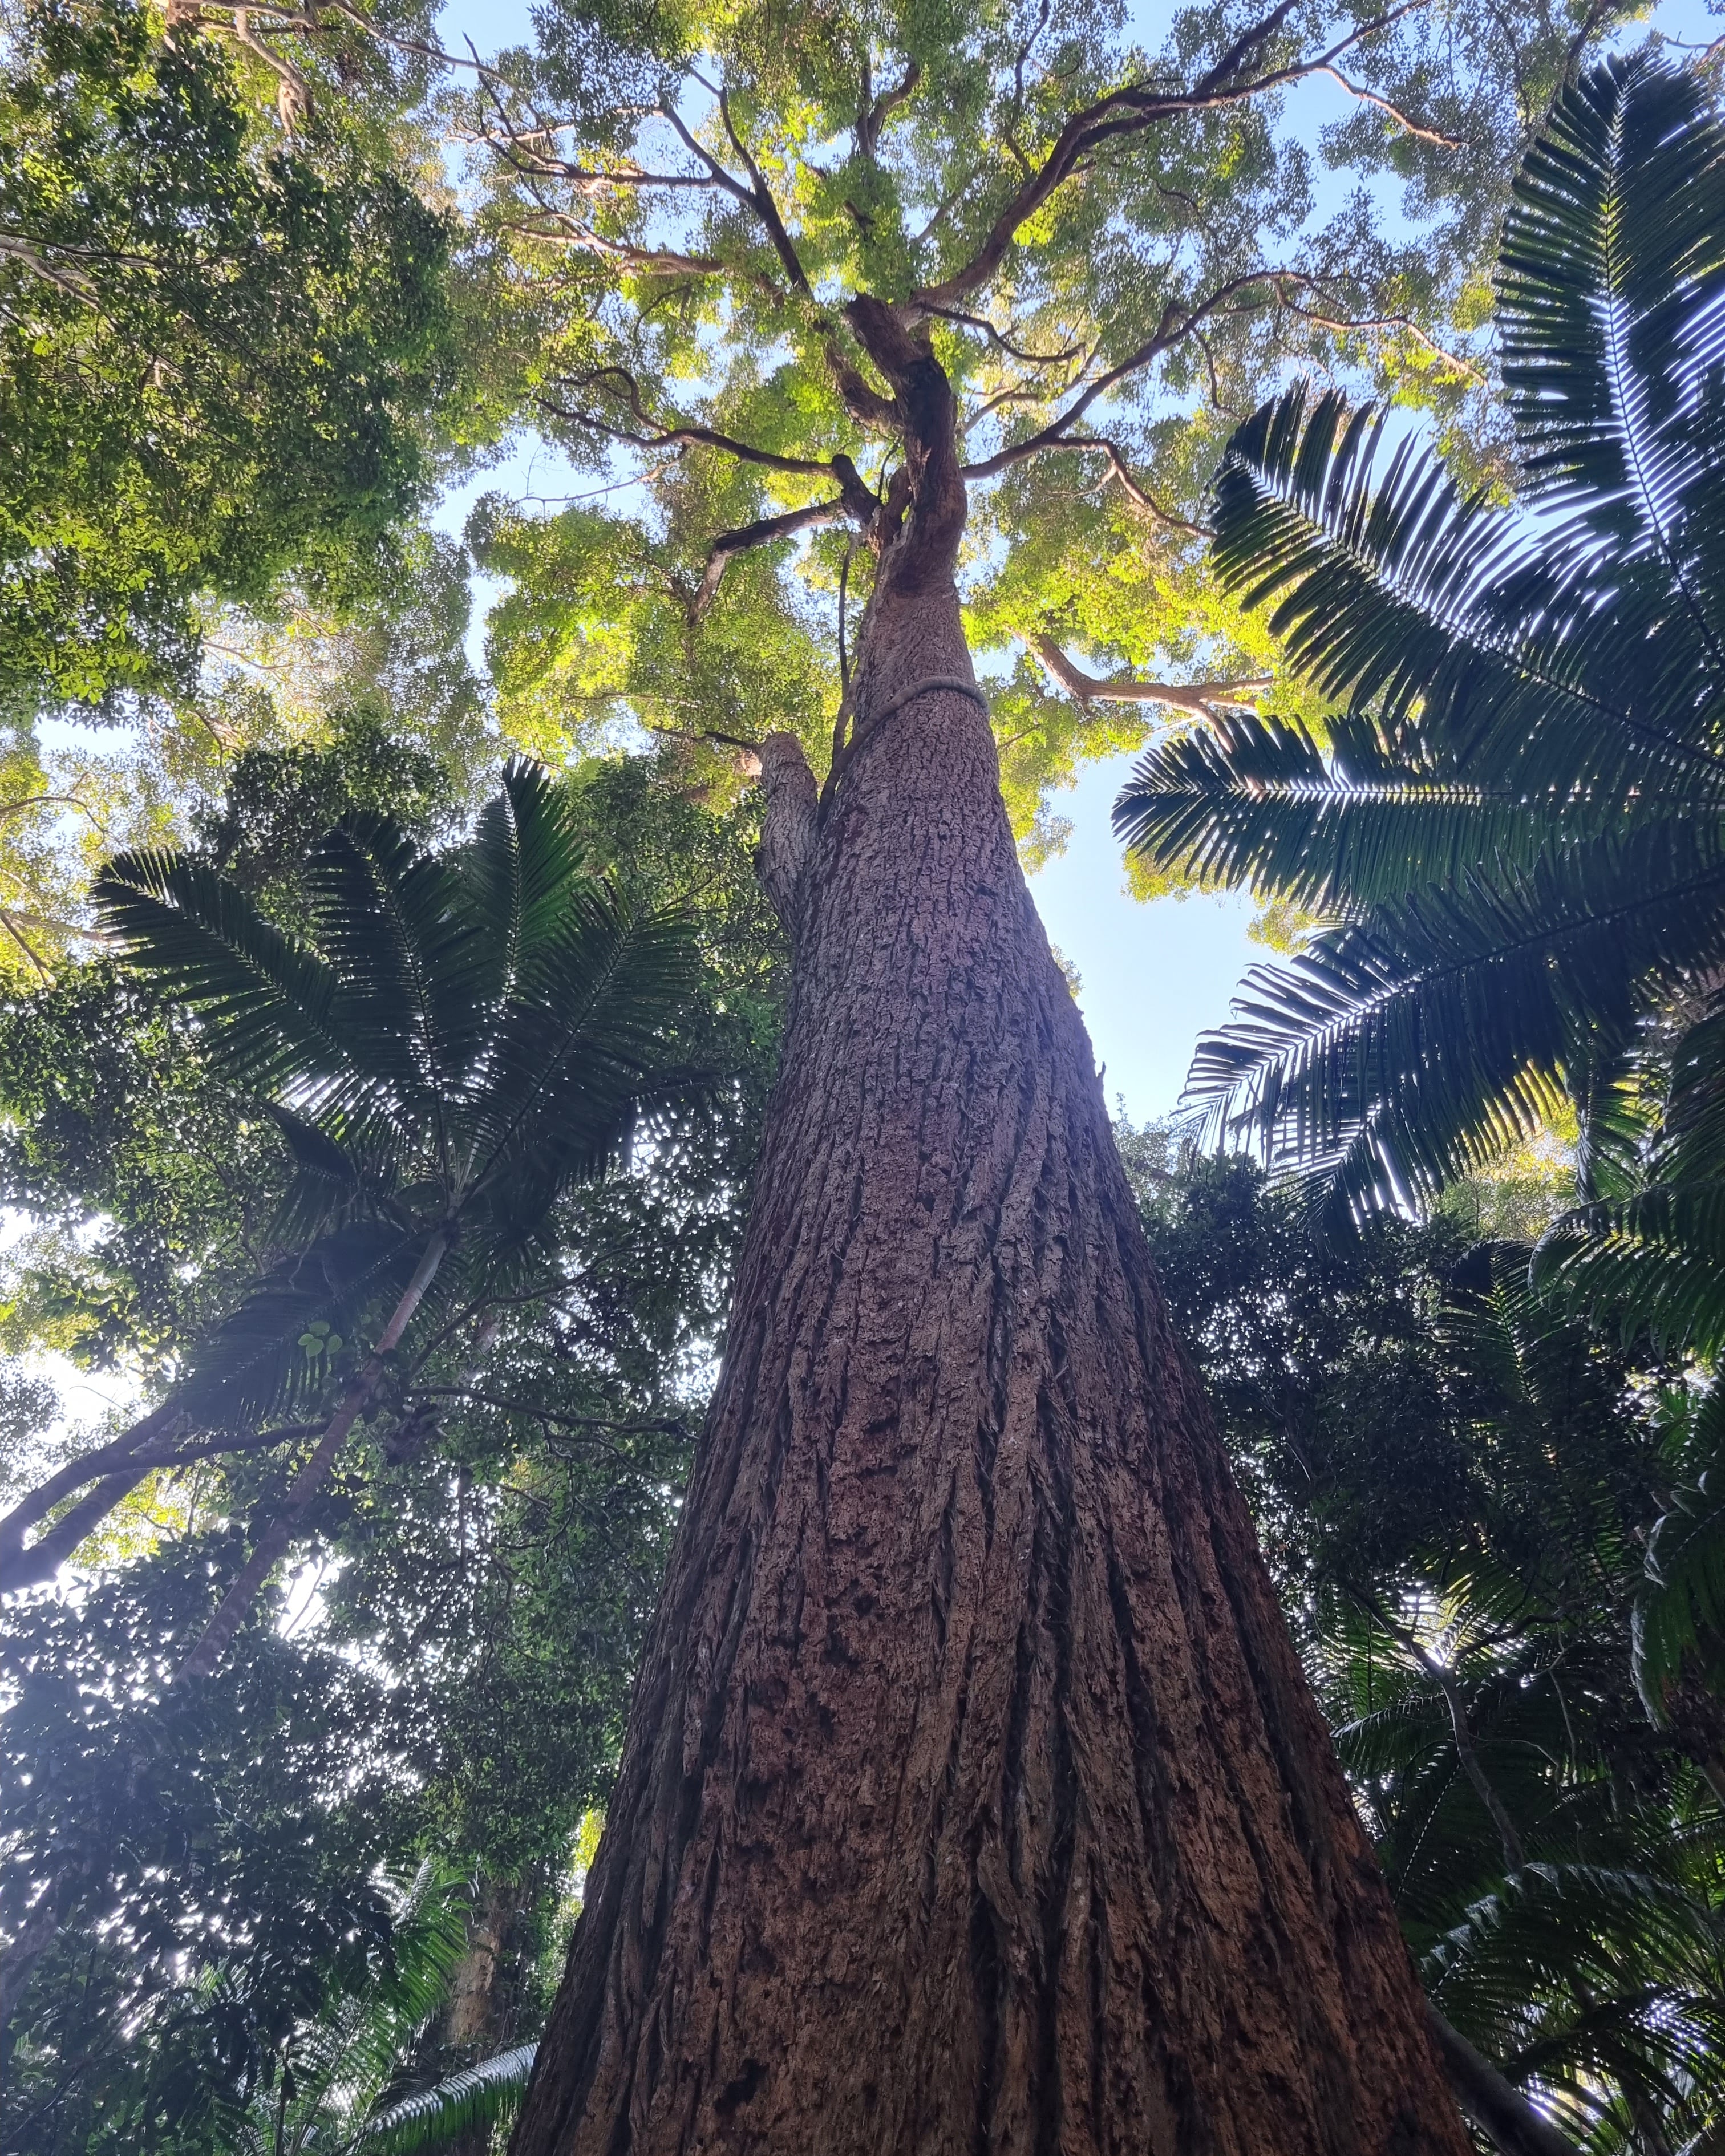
point(973, 1799)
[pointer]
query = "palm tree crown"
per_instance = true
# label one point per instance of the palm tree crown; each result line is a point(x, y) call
point(462, 1036)
point(1513, 829)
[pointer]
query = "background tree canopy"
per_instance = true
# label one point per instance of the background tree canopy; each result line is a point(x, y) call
point(271, 279)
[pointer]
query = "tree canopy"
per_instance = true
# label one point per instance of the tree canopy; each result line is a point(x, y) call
point(1105, 243)
point(222, 350)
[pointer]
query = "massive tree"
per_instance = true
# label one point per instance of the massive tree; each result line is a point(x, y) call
point(973, 1796)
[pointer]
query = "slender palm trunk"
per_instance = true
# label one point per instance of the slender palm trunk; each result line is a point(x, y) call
point(1500, 2111)
point(112, 1467)
point(272, 1544)
point(973, 1800)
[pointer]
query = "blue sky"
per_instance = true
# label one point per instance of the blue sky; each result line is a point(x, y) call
point(1153, 977)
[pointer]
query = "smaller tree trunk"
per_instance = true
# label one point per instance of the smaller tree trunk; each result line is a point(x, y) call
point(481, 2018)
point(475, 2021)
point(113, 1466)
point(1496, 2106)
point(273, 1542)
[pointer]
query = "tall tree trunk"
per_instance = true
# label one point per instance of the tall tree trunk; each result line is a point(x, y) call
point(973, 1799)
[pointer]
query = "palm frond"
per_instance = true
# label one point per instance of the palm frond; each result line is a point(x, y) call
point(1635, 1955)
point(1653, 1263)
point(343, 2062)
point(1519, 819)
point(1496, 647)
point(1391, 1056)
point(1680, 1613)
point(326, 1178)
point(1253, 799)
point(271, 998)
point(580, 1043)
point(1610, 283)
point(413, 965)
point(526, 858)
point(257, 1362)
point(479, 2097)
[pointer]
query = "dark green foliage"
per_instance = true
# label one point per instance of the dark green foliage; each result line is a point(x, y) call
point(504, 1565)
point(149, 1185)
point(224, 1839)
point(219, 350)
point(493, 1540)
point(465, 1036)
point(278, 802)
point(1515, 821)
point(1645, 1258)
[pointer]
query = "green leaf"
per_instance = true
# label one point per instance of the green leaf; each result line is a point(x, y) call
point(479, 2097)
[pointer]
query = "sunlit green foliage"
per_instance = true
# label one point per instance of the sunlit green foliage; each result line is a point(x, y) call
point(717, 186)
point(1440, 1471)
point(219, 351)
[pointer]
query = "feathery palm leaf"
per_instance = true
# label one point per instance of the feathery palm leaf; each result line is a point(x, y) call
point(458, 1040)
point(1518, 822)
point(209, 947)
point(341, 2065)
point(1680, 1616)
point(479, 2098)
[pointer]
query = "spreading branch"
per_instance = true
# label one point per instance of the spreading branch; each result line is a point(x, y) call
point(293, 95)
point(1435, 135)
point(1002, 342)
point(762, 532)
point(756, 196)
point(1202, 697)
point(113, 1471)
point(875, 111)
point(1130, 110)
point(516, 147)
point(189, 14)
point(1290, 280)
point(1174, 326)
point(73, 282)
point(566, 230)
point(685, 434)
point(1121, 473)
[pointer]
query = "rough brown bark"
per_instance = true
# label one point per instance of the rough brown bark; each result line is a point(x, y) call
point(973, 1800)
point(478, 2020)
